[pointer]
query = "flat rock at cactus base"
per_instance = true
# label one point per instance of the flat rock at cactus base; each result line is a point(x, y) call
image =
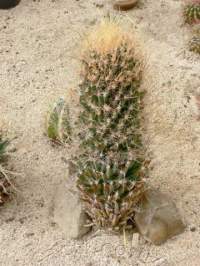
point(158, 218)
point(68, 213)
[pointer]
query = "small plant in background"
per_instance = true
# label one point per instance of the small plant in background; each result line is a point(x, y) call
point(111, 163)
point(194, 44)
point(3, 146)
point(4, 181)
point(192, 12)
point(58, 122)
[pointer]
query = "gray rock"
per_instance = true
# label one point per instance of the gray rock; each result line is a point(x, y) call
point(157, 218)
point(68, 213)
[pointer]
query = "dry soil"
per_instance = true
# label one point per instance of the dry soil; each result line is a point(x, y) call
point(39, 61)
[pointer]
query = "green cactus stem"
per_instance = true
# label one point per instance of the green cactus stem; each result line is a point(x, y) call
point(110, 168)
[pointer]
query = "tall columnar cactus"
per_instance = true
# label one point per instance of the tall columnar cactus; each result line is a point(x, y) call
point(111, 162)
point(192, 12)
point(3, 181)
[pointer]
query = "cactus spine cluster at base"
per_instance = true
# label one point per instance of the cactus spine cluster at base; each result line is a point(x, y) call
point(110, 165)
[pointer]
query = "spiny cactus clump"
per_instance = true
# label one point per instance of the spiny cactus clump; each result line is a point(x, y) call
point(4, 183)
point(58, 124)
point(192, 12)
point(194, 44)
point(111, 163)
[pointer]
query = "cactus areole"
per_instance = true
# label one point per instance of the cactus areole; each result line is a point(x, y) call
point(110, 167)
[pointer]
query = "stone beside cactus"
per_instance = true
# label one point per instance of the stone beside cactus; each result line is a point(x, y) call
point(192, 13)
point(194, 44)
point(124, 5)
point(111, 163)
point(6, 4)
point(58, 124)
point(4, 183)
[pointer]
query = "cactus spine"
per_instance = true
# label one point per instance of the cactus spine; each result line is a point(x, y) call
point(110, 177)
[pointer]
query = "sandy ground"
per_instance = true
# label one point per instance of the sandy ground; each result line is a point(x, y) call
point(39, 53)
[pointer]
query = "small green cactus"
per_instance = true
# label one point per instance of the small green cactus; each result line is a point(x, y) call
point(194, 44)
point(58, 122)
point(192, 13)
point(110, 177)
